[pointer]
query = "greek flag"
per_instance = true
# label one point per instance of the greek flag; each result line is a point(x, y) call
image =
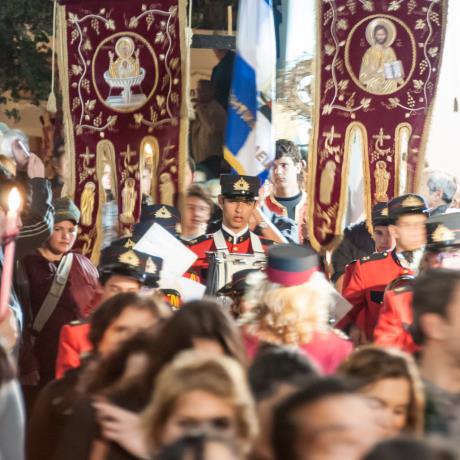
point(249, 143)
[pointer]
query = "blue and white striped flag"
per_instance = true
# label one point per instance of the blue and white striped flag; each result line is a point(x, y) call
point(249, 143)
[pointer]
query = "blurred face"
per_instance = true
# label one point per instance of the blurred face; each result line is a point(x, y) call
point(285, 171)
point(236, 212)
point(63, 237)
point(131, 321)
point(392, 396)
point(383, 239)
point(337, 428)
point(196, 215)
point(449, 259)
point(449, 329)
point(118, 284)
point(409, 232)
point(199, 411)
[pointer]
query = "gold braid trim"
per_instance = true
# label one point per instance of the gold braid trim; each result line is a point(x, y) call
point(63, 64)
point(184, 119)
point(398, 156)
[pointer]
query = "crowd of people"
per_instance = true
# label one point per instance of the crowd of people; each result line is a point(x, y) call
point(288, 356)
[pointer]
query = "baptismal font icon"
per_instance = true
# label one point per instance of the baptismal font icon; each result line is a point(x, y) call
point(125, 73)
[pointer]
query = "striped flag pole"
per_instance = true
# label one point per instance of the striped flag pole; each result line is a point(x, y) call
point(249, 144)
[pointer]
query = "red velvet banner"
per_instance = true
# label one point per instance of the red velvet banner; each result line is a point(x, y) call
point(121, 68)
point(377, 68)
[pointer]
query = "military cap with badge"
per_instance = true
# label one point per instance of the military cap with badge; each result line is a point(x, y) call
point(380, 215)
point(406, 204)
point(124, 260)
point(233, 186)
point(166, 216)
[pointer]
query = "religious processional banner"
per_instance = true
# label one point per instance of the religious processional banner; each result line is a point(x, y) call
point(376, 73)
point(122, 74)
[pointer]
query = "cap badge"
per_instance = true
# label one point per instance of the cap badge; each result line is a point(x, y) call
point(443, 234)
point(241, 186)
point(163, 213)
point(129, 258)
point(411, 201)
point(129, 244)
point(150, 266)
point(384, 212)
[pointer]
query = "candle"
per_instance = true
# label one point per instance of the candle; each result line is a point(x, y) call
point(229, 20)
point(11, 229)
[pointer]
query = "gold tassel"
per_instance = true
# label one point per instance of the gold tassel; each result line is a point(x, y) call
point(51, 105)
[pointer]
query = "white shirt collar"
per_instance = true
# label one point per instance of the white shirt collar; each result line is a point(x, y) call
point(233, 234)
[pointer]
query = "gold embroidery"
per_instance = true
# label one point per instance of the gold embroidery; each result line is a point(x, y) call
point(163, 213)
point(442, 234)
point(382, 181)
point(129, 258)
point(241, 186)
point(411, 201)
point(129, 244)
point(150, 266)
point(384, 212)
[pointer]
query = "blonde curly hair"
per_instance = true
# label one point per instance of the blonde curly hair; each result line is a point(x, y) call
point(287, 315)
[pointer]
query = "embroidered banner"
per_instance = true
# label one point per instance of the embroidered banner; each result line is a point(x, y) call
point(121, 69)
point(377, 68)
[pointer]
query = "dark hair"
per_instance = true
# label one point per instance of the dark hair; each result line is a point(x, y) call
point(277, 365)
point(198, 319)
point(192, 448)
point(405, 448)
point(7, 372)
point(433, 292)
point(284, 427)
point(286, 148)
point(201, 319)
point(200, 192)
point(112, 308)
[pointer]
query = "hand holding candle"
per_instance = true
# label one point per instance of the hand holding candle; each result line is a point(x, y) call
point(11, 230)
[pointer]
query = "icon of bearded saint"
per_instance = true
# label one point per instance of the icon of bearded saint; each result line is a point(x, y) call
point(381, 72)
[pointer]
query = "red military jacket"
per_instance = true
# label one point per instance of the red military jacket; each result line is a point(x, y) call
point(273, 205)
point(364, 286)
point(396, 316)
point(205, 243)
point(73, 343)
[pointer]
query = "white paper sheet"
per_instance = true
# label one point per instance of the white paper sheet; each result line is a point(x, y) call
point(177, 258)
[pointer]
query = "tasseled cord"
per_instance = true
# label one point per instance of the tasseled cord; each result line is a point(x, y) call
point(51, 106)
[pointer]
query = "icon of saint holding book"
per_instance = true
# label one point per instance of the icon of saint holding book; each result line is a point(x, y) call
point(381, 72)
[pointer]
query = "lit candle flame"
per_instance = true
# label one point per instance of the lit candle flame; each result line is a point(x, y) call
point(148, 149)
point(14, 200)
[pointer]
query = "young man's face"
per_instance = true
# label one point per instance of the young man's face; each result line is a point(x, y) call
point(383, 239)
point(63, 237)
point(117, 284)
point(285, 171)
point(236, 212)
point(409, 232)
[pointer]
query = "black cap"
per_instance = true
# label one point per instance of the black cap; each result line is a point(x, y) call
point(166, 216)
point(291, 264)
point(406, 204)
point(129, 262)
point(239, 284)
point(443, 231)
point(380, 214)
point(234, 185)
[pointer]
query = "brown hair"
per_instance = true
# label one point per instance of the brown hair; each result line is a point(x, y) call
point(286, 148)
point(195, 370)
point(370, 364)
